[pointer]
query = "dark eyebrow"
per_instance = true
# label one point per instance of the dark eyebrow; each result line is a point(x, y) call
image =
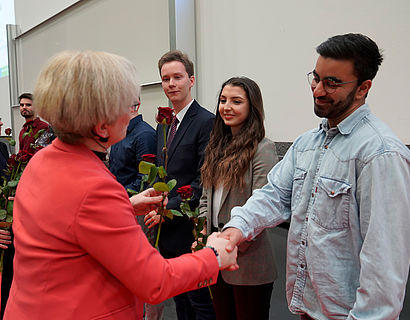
point(327, 78)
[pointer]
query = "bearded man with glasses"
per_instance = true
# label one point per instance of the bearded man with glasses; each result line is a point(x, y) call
point(345, 187)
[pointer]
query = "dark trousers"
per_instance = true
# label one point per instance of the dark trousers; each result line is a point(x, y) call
point(305, 317)
point(238, 302)
point(7, 275)
point(194, 305)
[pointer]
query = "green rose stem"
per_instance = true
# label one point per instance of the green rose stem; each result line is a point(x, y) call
point(161, 215)
point(161, 208)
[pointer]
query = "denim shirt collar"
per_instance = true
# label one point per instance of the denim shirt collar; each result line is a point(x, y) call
point(347, 125)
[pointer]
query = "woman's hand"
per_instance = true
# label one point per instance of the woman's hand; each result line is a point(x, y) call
point(4, 238)
point(195, 243)
point(228, 259)
point(151, 219)
point(147, 201)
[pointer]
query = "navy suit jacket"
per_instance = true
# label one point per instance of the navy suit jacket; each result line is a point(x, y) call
point(185, 158)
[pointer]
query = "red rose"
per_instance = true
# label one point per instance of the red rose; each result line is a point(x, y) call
point(7, 131)
point(149, 157)
point(23, 156)
point(185, 192)
point(12, 162)
point(164, 115)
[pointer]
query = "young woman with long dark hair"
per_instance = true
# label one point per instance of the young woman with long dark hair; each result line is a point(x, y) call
point(237, 160)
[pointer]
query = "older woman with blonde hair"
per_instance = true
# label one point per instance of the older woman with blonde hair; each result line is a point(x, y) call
point(80, 253)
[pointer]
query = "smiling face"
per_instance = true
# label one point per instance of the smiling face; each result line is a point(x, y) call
point(339, 104)
point(177, 84)
point(233, 107)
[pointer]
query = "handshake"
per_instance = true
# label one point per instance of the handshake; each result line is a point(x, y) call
point(225, 244)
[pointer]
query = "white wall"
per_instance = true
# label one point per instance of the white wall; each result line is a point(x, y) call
point(6, 17)
point(273, 42)
point(137, 30)
point(30, 13)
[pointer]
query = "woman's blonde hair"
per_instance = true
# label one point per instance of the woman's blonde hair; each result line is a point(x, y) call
point(77, 90)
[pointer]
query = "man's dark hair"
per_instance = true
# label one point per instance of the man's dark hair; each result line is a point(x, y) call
point(176, 55)
point(26, 95)
point(356, 47)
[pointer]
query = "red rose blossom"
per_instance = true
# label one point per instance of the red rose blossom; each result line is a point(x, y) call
point(12, 162)
point(7, 131)
point(165, 113)
point(185, 192)
point(23, 156)
point(149, 157)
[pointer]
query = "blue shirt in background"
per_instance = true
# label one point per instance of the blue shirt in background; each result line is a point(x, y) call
point(125, 155)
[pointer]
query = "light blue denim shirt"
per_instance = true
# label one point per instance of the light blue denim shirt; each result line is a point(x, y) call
point(347, 191)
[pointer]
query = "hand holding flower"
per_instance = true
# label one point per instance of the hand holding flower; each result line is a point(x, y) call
point(147, 201)
point(4, 239)
point(151, 219)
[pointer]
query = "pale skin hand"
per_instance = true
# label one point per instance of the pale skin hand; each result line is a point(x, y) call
point(4, 239)
point(147, 201)
point(228, 259)
point(194, 244)
point(234, 236)
point(151, 219)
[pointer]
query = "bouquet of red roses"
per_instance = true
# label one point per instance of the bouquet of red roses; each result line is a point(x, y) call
point(8, 185)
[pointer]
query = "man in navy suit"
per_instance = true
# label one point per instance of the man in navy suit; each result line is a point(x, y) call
point(185, 158)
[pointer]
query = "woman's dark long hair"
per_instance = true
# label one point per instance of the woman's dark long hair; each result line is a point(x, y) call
point(227, 157)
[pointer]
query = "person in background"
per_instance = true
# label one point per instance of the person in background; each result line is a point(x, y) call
point(124, 158)
point(80, 253)
point(126, 154)
point(237, 160)
point(345, 187)
point(192, 125)
point(35, 135)
point(4, 153)
point(29, 134)
point(5, 237)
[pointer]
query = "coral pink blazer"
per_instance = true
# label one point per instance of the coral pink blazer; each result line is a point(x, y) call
point(80, 253)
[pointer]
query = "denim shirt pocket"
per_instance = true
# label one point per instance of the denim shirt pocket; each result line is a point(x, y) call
point(331, 209)
point(298, 180)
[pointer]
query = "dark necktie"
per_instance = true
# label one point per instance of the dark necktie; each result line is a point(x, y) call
point(173, 130)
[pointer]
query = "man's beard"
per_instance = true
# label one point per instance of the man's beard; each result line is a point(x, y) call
point(27, 114)
point(335, 110)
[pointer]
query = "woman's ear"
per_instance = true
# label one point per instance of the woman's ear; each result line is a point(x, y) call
point(100, 131)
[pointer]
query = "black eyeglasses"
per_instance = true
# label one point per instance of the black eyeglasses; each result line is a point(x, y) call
point(329, 85)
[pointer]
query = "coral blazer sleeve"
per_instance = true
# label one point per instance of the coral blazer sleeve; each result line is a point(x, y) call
point(107, 230)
